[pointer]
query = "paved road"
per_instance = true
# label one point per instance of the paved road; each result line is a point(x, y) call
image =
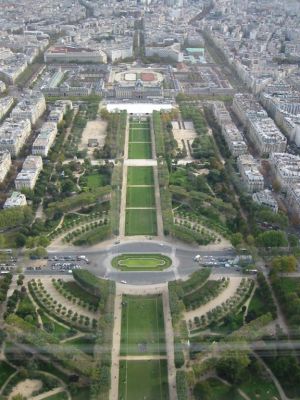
point(183, 262)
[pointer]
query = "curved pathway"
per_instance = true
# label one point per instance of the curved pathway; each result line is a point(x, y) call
point(226, 294)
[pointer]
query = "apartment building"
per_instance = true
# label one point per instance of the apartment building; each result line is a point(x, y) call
point(26, 179)
point(13, 135)
point(5, 104)
point(286, 168)
point(5, 164)
point(45, 139)
point(231, 134)
point(265, 135)
point(266, 198)
point(16, 199)
point(251, 177)
point(234, 140)
point(293, 197)
point(74, 54)
point(31, 107)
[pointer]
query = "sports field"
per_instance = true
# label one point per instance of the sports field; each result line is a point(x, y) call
point(140, 222)
point(141, 380)
point(142, 329)
point(141, 262)
point(140, 176)
point(139, 135)
point(139, 150)
point(140, 196)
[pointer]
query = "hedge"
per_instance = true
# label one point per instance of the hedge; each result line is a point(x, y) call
point(80, 200)
point(181, 386)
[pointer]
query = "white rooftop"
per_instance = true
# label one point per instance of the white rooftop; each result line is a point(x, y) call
point(138, 108)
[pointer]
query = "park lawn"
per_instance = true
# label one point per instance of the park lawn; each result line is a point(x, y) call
point(80, 293)
point(141, 196)
point(142, 326)
point(139, 135)
point(290, 285)
point(5, 371)
point(143, 380)
point(221, 391)
point(139, 151)
point(58, 396)
point(94, 181)
point(140, 222)
point(257, 306)
point(84, 343)
point(141, 262)
point(140, 176)
point(53, 327)
point(142, 124)
point(259, 386)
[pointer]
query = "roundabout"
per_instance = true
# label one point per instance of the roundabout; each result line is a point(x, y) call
point(141, 262)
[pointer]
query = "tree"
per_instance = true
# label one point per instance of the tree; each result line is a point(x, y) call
point(272, 239)
point(43, 241)
point(236, 239)
point(284, 263)
point(203, 391)
point(232, 365)
point(20, 240)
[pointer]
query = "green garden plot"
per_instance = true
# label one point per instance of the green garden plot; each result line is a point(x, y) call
point(140, 222)
point(142, 326)
point(139, 135)
point(143, 380)
point(139, 150)
point(143, 124)
point(141, 262)
point(140, 176)
point(140, 196)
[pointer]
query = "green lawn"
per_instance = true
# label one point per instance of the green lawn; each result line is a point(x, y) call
point(5, 371)
point(142, 196)
point(139, 135)
point(57, 330)
point(140, 176)
point(142, 124)
point(84, 343)
point(221, 391)
point(259, 385)
point(139, 151)
point(140, 222)
point(82, 294)
point(58, 396)
point(94, 181)
point(141, 262)
point(142, 328)
point(140, 380)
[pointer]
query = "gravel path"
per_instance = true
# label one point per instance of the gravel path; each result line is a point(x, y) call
point(228, 292)
point(47, 282)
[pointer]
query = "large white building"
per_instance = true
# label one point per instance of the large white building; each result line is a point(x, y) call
point(173, 52)
point(266, 198)
point(262, 130)
point(26, 179)
point(5, 104)
point(45, 139)
point(13, 135)
point(31, 107)
point(5, 164)
point(74, 54)
point(286, 168)
point(293, 197)
point(251, 177)
point(16, 199)
point(231, 134)
point(265, 135)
